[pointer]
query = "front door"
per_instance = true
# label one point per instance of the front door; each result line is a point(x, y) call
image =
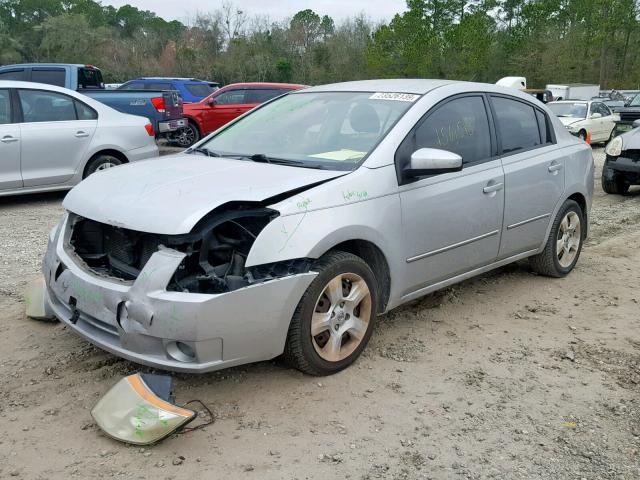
point(534, 173)
point(452, 221)
point(228, 105)
point(9, 145)
point(54, 141)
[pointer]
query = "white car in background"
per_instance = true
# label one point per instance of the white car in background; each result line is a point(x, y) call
point(51, 138)
point(586, 117)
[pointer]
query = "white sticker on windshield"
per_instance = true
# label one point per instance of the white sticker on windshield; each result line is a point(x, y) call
point(399, 97)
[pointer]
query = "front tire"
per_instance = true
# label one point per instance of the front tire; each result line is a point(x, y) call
point(613, 182)
point(583, 135)
point(564, 244)
point(101, 162)
point(187, 136)
point(334, 318)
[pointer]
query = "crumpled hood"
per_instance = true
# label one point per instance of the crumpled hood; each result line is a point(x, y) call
point(569, 120)
point(171, 194)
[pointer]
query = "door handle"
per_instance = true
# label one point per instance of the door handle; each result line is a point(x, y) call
point(494, 187)
point(9, 139)
point(81, 134)
point(554, 167)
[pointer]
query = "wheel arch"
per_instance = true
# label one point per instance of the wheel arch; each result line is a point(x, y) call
point(375, 258)
point(107, 151)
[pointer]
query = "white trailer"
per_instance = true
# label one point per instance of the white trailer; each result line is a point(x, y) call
point(574, 91)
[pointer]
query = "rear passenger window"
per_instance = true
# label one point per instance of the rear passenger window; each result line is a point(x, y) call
point(42, 106)
point(51, 76)
point(263, 95)
point(12, 75)
point(460, 126)
point(517, 124)
point(85, 112)
point(5, 107)
point(158, 86)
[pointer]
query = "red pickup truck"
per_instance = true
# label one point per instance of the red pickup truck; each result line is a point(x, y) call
point(224, 105)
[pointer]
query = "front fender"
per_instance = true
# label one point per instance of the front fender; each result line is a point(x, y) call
point(310, 234)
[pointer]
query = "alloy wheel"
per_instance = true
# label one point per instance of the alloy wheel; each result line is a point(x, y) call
point(341, 317)
point(568, 240)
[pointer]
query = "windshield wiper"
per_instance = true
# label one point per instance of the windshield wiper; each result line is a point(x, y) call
point(261, 157)
point(204, 151)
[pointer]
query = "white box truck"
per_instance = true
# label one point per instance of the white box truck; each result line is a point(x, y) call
point(574, 91)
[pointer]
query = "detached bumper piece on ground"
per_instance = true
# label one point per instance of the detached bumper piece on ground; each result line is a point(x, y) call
point(139, 409)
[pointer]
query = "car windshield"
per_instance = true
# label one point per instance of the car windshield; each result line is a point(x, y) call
point(575, 110)
point(333, 130)
point(635, 101)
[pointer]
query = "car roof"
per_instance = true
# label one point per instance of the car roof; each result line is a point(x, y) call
point(418, 86)
point(31, 65)
point(178, 79)
point(290, 86)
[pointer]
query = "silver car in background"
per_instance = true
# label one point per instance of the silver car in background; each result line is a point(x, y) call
point(51, 138)
point(290, 229)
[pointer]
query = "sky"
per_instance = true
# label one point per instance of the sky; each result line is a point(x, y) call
point(183, 10)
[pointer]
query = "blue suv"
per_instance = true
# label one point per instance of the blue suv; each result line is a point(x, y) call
point(191, 89)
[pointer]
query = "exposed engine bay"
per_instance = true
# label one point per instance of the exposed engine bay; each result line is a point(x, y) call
point(216, 251)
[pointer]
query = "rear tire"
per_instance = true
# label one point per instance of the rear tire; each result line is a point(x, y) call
point(564, 244)
point(101, 162)
point(339, 307)
point(613, 182)
point(187, 136)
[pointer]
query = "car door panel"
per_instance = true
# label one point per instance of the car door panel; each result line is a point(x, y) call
point(451, 224)
point(452, 221)
point(53, 144)
point(10, 176)
point(534, 177)
point(534, 181)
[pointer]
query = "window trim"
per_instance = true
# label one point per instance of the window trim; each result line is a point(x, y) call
point(552, 132)
point(20, 113)
point(410, 136)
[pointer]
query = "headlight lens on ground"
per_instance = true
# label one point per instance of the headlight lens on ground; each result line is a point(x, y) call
point(131, 412)
point(614, 147)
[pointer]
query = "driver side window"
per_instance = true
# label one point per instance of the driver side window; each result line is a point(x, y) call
point(232, 97)
point(460, 126)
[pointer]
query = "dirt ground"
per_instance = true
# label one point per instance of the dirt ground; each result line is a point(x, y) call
point(509, 376)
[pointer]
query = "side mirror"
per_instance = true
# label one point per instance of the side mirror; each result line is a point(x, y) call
point(636, 123)
point(432, 161)
point(211, 102)
point(596, 115)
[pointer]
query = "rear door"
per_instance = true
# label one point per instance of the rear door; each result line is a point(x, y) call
point(10, 176)
point(534, 173)
point(56, 131)
point(228, 105)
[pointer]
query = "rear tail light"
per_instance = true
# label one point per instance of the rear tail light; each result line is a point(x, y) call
point(158, 103)
point(149, 128)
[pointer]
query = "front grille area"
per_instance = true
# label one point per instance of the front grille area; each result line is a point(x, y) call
point(113, 251)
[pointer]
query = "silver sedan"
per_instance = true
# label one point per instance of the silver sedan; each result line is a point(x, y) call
point(51, 138)
point(288, 231)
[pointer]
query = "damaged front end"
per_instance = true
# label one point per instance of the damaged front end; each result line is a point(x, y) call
point(215, 250)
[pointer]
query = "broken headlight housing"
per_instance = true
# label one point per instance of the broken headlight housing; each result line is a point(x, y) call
point(216, 250)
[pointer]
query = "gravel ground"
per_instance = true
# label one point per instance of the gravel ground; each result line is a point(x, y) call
point(509, 376)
